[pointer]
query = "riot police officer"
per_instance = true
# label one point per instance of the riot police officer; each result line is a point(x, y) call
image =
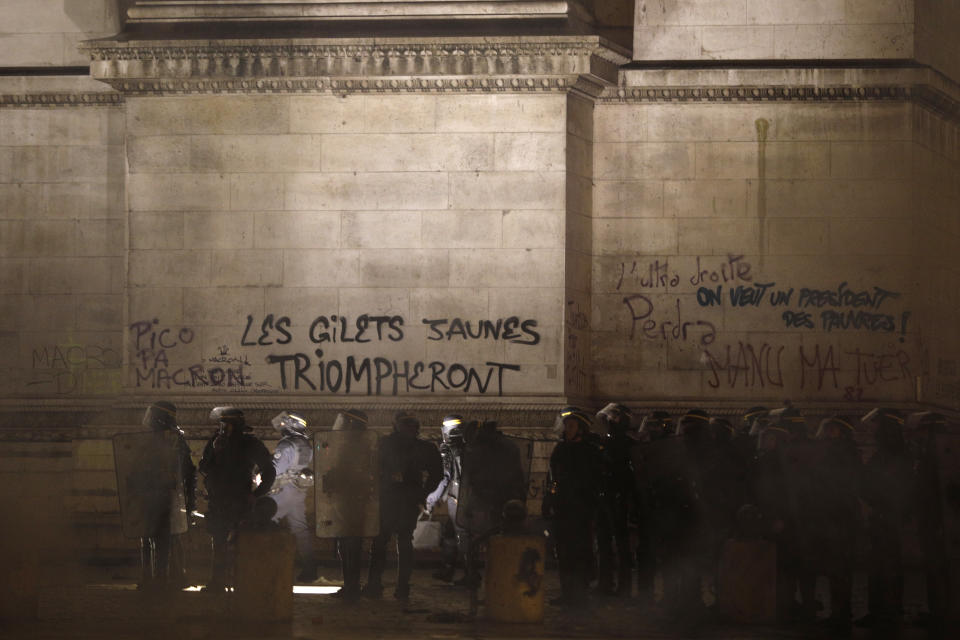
point(410, 469)
point(887, 488)
point(161, 550)
point(618, 501)
point(451, 455)
point(656, 426)
point(293, 463)
point(231, 460)
point(574, 485)
point(349, 549)
point(492, 476)
point(835, 513)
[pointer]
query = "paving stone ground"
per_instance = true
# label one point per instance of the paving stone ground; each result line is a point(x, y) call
point(114, 609)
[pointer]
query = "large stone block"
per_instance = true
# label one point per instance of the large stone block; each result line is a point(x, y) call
point(879, 11)
point(270, 153)
point(380, 229)
point(877, 237)
point(12, 275)
point(691, 12)
point(391, 301)
point(666, 43)
point(644, 160)
point(297, 230)
point(178, 192)
point(408, 152)
point(76, 275)
point(31, 49)
point(321, 268)
point(714, 236)
point(533, 229)
point(365, 191)
point(704, 198)
point(88, 163)
point(326, 114)
point(635, 236)
point(872, 160)
point(256, 192)
point(635, 198)
point(214, 305)
point(78, 126)
point(251, 267)
point(48, 238)
point(100, 312)
point(807, 12)
point(399, 114)
point(837, 198)
point(156, 231)
point(507, 190)
point(12, 237)
point(404, 268)
point(40, 312)
point(464, 303)
point(83, 200)
point(794, 160)
point(166, 304)
point(170, 268)
point(455, 229)
point(529, 151)
point(855, 122)
point(843, 41)
point(158, 154)
point(32, 164)
point(501, 113)
point(620, 123)
point(545, 305)
point(241, 114)
point(797, 236)
point(21, 200)
point(302, 304)
point(218, 230)
point(737, 43)
point(506, 268)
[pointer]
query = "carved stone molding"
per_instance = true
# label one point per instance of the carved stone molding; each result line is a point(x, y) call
point(755, 94)
point(34, 100)
point(548, 63)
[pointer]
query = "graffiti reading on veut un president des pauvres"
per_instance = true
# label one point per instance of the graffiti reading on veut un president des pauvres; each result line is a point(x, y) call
point(311, 370)
point(732, 284)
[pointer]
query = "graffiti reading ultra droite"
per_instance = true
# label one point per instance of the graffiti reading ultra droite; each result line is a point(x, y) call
point(641, 308)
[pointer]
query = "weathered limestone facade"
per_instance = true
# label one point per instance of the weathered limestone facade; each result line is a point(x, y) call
point(758, 202)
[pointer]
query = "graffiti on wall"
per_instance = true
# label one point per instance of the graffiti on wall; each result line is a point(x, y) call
point(73, 368)
point(731, 286)
point(265, 340)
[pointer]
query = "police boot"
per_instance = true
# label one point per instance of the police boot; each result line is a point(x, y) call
point(624, 582)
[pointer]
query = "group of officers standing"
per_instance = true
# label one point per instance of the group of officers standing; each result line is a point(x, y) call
point(665, 499)
point(624, 504)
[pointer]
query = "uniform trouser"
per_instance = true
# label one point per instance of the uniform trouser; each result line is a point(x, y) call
point(836, 560)
point(613, 547)
point(222, 523)
point(794, 570)
point(682, 572)
point(155, 557)
point(349, 550)
point(885, 582)
point(455, 538)
point(291, 510)
point(400, 520)
point(574, 533)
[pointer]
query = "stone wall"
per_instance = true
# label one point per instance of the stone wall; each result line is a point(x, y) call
point(752, 251)
point(62, 240)
point(42, 33)
point(773, 29)
point(377, 245)
point(936, 28)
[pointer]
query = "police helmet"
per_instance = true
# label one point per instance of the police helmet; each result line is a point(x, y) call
point(583, 420)
point(289, 421)
point(888, 427)
point(835, 427)
point(721, 429)
point(655, 425)
point(930, 421)
point(351, 420)
point(772, 437)
point(452, 428)
point(750, 418)
point(790, 419)
point(160, 416)
point(230, 415)
point(616, 417)
point(404, 421)
point(693, 423)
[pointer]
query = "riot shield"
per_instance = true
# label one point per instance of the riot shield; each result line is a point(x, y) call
point(149, 483)
point(494, 471)
point(346, 474)
point(667, 490)
point(947, 447)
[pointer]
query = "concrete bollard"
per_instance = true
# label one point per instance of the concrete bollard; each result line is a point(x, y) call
point(514, 578)
point(264, 575)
